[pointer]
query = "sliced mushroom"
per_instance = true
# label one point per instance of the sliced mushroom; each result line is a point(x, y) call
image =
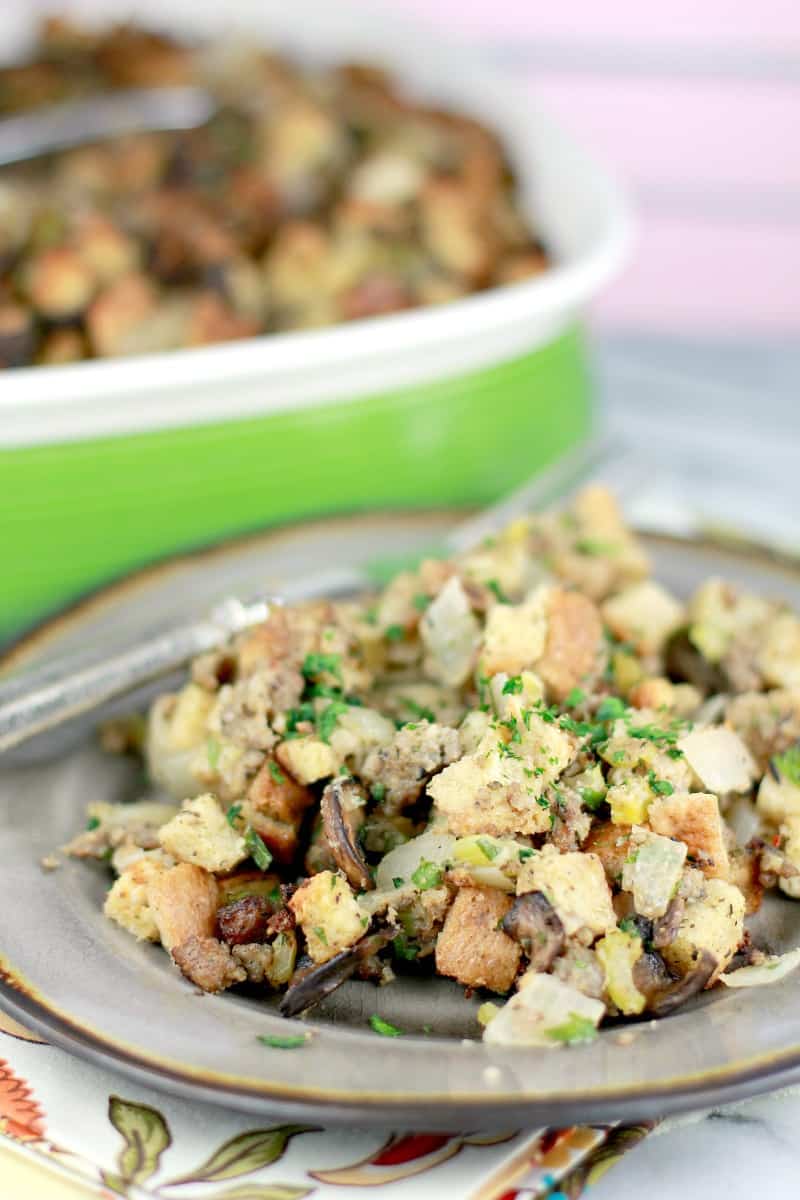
point(533, 922)
point(665, 928)
point(310, 986)
point(676, 994)
point(342, 803)
point(684, 661)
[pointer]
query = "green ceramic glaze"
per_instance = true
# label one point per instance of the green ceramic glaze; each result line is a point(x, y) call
point(74, 515)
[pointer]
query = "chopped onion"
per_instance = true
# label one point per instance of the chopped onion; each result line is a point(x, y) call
point(777, 968)
point(402, 862)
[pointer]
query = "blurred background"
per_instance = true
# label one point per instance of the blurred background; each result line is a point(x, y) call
point(692, 350)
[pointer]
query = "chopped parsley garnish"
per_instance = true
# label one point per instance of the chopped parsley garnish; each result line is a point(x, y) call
point(321, 934)
point(592, 799)
point(525, 853)
point(662, 787)
point(383, 1027)
point(233, 814)
point(628, 925)
point(421, 602)
point(282, 1042)
point(275, 771)
point(575, 697)
point(394, 633)
point(488, 849)
point(329, 718)
point(651, 733)
point(596, 546)
point(404, 948)
point(318, 664)
point(788, 764)
point(542, 801)
point(512, 686)
point(498, 593)
point(212, 752)
point(611, 709)
point(579, 728)
point(92, 823)
point(378, 792)
point(257, 850)
point(419, 710)
point(427, 875)
point(304, 713)
point(398, 881)
point(575, 1029)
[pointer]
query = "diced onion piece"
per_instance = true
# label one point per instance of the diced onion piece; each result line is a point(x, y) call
point(652, 871)
point(449, 630)
point(541, 1013)
point(402, 862)
point(719, 759)
point(769, 972)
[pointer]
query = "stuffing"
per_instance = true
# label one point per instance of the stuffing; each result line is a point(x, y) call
point(113, 825)
point(790, 842)
point(644, 614)
point(515, 635)
point(274, 808)
point(183, 903)
point(398, 772)
point(575, 884)
point(767, 722)
point(308, 759)
point(208, 963)
point(202, 835)
point(694, 818)
point(449, 632)
point(574, 647)
point(127, 899)
point(328, 914)
point(719, 759)
point(472, 947)
point(714, 923)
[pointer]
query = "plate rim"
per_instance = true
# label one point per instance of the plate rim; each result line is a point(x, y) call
point(742, 1079)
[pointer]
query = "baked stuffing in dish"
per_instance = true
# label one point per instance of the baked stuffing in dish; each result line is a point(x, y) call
point(530, 769)
point(310, 198)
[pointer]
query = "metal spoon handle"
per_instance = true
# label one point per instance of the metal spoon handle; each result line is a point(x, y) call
point(40, 699)
point(108, 115)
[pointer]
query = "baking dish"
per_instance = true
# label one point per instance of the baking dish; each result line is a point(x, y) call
point(106, 464)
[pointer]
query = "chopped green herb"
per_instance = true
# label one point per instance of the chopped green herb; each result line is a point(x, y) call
point(674, 752)
point(512, 686)
point(788, 764)
point(525, 853)
point(398, 881)
point(317, 664)
point(611, 709)
point(542, 801)
point(596, 546)
point(233, 814)
point(650, 733)
point(294, 716)
point(579, 728)
point(212, 752)
point(383, 1027)
point(404, 948)
point(628, 925)
point(321, 934)
point(592, 799)
point(421, 602)
point(662, 787)
point(275, 771)
point(285, 1042)
point(575, 1029)
point(257, 850)
point(575, 697)
point(419, 710)
point(394, 633)
point(329, 718)
point(494, 587)
point(427, 875)
point(92, 823)
point(378, 792)
point(488, 848)
point(427, 1029)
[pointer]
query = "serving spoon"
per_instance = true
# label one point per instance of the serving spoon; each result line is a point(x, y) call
point(42, 698)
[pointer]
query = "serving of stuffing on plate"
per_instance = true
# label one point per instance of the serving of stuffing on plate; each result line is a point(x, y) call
point(530, 768)
point(310, 198)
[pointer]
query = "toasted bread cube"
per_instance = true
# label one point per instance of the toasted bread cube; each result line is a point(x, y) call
point(187, 726)
point(694, 818)
point(574, 648)
point(183, 901)
point(515, 635)
point(329, 915)
point(200, 834)
point(308, 759)
point(644, 614)
point(127, 899)
point(575, 884)
point(714, 923)
point(472, 947)
point(274, 807)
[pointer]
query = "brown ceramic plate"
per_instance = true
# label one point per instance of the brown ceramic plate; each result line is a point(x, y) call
point(86, 985)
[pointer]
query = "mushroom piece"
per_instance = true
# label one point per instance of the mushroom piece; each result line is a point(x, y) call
point(666, 1000)
point(312, 985)
point(341, 805)
point(665, 928)
point(536, 926)
point(683, 661)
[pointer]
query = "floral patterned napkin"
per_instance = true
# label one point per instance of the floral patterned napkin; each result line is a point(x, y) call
point(117, 1138)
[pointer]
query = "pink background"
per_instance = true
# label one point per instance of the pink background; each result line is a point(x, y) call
point(696, 104)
